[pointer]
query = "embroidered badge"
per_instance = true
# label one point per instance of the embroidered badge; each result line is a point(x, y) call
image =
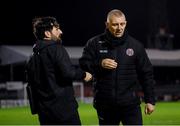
point(130, 52)
point(103, 51)
point(101, 42)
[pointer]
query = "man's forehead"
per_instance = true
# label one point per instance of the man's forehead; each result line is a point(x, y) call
point(120, 19)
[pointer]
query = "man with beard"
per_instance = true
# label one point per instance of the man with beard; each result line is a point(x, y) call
point(54, 92)
point(119, 63)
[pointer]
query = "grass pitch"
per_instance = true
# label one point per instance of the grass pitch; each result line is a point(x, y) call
point(166, 113)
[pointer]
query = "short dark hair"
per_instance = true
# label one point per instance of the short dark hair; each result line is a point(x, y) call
point(42, 24)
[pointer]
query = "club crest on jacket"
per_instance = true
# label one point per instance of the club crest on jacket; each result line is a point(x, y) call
point(130, 52)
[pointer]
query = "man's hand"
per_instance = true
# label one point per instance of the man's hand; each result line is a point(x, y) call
point(109, 63)
point(88, 77)
point(149, 108)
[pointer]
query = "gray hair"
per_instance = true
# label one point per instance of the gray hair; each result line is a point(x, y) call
point(115, 12)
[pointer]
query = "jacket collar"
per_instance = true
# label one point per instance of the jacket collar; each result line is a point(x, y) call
point(41, 44)
point(114, 41)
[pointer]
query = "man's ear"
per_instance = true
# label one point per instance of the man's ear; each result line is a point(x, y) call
point(47, 34)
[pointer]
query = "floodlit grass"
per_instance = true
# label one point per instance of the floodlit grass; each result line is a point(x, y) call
point(17, 116)
point(88, 114)
point(166, 113)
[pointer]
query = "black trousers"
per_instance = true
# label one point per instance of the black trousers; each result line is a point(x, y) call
point(47, 119)
point(128, 115)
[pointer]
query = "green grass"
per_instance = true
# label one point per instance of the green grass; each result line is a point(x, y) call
point(17, 116)
point(166, 113)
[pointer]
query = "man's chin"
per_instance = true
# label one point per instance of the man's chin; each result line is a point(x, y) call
point(118, 35)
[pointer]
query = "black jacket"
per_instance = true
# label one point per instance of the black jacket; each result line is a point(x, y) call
point(118, 86)
point(55, 91)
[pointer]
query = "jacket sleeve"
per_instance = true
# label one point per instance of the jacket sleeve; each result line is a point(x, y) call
point(145, 75)
point(64, 64)
point(89, 60)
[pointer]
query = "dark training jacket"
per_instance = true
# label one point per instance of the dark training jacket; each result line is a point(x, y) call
point(118, 86)
point(55, 92)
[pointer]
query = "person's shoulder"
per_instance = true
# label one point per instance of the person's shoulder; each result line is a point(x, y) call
point(96, 37)
point(93, 41)
point(135, 42)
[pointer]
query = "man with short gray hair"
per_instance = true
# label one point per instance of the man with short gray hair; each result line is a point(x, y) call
point(119, 64)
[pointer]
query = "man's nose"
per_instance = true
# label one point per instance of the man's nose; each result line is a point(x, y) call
point(60, 31)
point(119, 26)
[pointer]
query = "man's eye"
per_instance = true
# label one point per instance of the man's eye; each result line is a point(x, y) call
point(114, 24)
point(122, 24)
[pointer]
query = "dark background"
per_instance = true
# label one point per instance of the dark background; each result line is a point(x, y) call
point(82, 19)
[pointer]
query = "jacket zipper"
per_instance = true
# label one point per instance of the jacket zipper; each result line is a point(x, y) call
point(116, 77)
